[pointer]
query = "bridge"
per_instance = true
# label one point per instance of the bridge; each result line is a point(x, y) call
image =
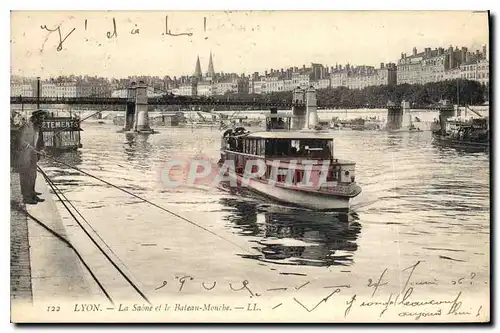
point(303, 104)
point(206, 101)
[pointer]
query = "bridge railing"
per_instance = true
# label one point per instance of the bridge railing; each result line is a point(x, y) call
point(208, 101)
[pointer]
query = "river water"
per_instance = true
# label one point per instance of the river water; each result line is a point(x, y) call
point(420, 203)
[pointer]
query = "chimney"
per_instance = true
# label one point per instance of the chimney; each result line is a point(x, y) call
point(484, 52)
point(414, 51)
point(402, 55)
point(463, 55)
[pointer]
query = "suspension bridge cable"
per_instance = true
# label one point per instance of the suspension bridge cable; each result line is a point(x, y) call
point(52, 186)
point(68, 243)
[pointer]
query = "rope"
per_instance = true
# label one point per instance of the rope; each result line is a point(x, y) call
point(52, 186)
point(68, 243)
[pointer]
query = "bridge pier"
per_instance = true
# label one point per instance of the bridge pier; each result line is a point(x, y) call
point(445, 113)
point(406, 122)
point(141, 124)
point(311, 109)
point(394, 116)
point(299, 111)
point(130, 108)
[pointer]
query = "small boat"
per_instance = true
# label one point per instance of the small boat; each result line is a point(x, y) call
point(464, 133)
point(294, 167)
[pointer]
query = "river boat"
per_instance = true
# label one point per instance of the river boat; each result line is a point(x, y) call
point(464, 133)
point(289, 157)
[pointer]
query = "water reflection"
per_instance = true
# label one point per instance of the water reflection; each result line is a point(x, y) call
point(291, 236)
point(138, 148)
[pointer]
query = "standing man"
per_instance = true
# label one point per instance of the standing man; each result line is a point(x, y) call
point(30, 144)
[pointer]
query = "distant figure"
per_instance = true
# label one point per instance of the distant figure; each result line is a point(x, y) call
point(30, 142)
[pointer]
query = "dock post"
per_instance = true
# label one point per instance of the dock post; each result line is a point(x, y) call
point(311, 108)
point(130, 107)
point(298, 109)
point(141, 108)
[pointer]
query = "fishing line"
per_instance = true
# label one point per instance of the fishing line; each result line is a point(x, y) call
point(68, 243)
point(88, 223)
point(151, 203)
point(52, 186)
point(65, 128)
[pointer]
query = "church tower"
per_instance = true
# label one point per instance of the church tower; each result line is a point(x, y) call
point(197, 70)
point(210, 72)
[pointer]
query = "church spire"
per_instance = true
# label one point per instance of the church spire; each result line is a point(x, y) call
point(211, 71)
point(197, 70)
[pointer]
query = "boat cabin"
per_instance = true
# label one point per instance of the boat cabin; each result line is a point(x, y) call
point(287, 148)
point(475, 129)
point(278, 121)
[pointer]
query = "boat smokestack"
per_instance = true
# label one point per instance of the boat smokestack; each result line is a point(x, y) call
point(311, 109)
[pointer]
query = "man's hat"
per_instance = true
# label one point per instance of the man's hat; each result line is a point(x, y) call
point(38, 113)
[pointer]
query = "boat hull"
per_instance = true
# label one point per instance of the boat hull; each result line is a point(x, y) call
point(306, 199)
point(454, 143)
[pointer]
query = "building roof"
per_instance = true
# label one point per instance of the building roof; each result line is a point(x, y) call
point(197, 70)
point(211, 71)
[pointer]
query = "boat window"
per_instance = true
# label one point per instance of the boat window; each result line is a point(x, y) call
point(306, 148)
point(268, 172)
point(262, 147)
point(281, 178)
point(299, 175)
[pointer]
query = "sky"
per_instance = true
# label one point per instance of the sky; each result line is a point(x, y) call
point(241, 42)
